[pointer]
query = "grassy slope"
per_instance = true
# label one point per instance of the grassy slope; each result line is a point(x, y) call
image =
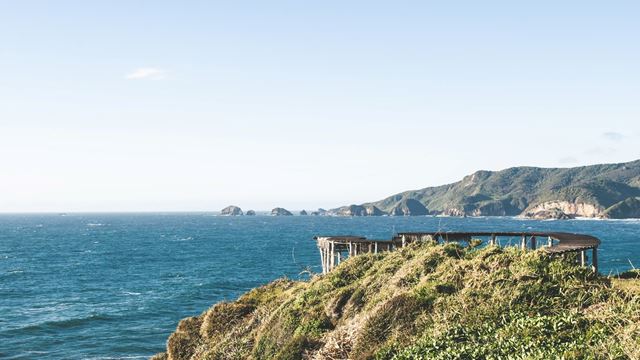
point(511, 191)
point(425, 301)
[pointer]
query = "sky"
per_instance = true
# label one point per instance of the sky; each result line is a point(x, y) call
point(196, 105)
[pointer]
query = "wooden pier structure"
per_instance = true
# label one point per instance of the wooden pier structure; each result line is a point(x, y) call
point(334, 249)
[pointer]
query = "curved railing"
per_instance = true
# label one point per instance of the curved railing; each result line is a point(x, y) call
point(334, 248)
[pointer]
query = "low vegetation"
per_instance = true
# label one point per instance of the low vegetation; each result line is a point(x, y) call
point(426, 301)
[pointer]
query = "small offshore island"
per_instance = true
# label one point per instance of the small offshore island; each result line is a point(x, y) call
point(427, 300)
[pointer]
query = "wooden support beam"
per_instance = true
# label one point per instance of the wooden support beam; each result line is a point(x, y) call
point(332, 260)
point(523, 242)
point(534, 243)
point(594, 260)
point(324, 271)
point(583, 258)
point(326, 258)
point(329, 258)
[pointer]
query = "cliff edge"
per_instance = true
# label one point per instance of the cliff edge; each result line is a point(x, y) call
point(425, 301)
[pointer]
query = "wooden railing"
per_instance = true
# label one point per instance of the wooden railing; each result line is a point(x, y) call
point(334, 249)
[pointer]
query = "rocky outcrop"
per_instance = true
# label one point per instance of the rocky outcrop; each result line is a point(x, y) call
point(319, 212)
point(570, 208)
point(409, 207)
point(351, 210)
point(280, 212)
point(231, 210)
point(303, 213)
point(453, 212)
point(251, 213)
point(627, 209)
point(357, 210)
point(550, 214)
point(374, 211)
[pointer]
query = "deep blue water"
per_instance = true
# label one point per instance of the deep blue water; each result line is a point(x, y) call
point(111, 286)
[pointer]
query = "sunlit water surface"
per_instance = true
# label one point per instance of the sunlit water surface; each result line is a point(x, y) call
point(111, 286)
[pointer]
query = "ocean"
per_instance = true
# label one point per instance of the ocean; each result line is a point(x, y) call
point(114, 286)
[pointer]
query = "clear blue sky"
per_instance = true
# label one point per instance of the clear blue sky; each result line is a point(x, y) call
point(194, 105)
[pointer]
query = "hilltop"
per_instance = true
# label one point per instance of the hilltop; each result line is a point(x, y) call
point(426, 301)
point(597, 191)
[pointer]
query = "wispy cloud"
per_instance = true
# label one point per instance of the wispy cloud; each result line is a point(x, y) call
point(146, 73)
point(613, 136)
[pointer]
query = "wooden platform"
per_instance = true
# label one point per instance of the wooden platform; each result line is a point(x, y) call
point(334, 249)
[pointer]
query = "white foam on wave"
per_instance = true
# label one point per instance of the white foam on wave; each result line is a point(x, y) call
point(188, 238)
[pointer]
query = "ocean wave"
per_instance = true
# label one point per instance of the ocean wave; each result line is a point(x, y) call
point(95, 224)
point(188, 238)
point(14, 271)
point(63, 323)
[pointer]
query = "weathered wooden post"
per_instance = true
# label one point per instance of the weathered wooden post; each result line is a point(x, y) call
point(583, 258)
point(533, 242)
point(493, 240)
point(326, 257)
point(375, 247)
point(404, 240)
point(332, 261)
point(523, 242)
point(594, 259)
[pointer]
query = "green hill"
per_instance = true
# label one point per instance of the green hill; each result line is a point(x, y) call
point(581, 191)
point(426, 301)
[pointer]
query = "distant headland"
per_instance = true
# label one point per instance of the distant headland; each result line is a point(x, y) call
point(606, 191)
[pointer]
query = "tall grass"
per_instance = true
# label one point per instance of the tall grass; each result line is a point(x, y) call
point(426, 301)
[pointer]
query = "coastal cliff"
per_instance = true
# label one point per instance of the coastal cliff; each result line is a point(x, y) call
point(425, 301)
point(596, 191)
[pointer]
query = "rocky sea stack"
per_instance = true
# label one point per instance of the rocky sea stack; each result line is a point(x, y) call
point(251, 213)
point(281, 212)
point(426, 301)
point(319, 212)
point(303, 213)
point(231, 210)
